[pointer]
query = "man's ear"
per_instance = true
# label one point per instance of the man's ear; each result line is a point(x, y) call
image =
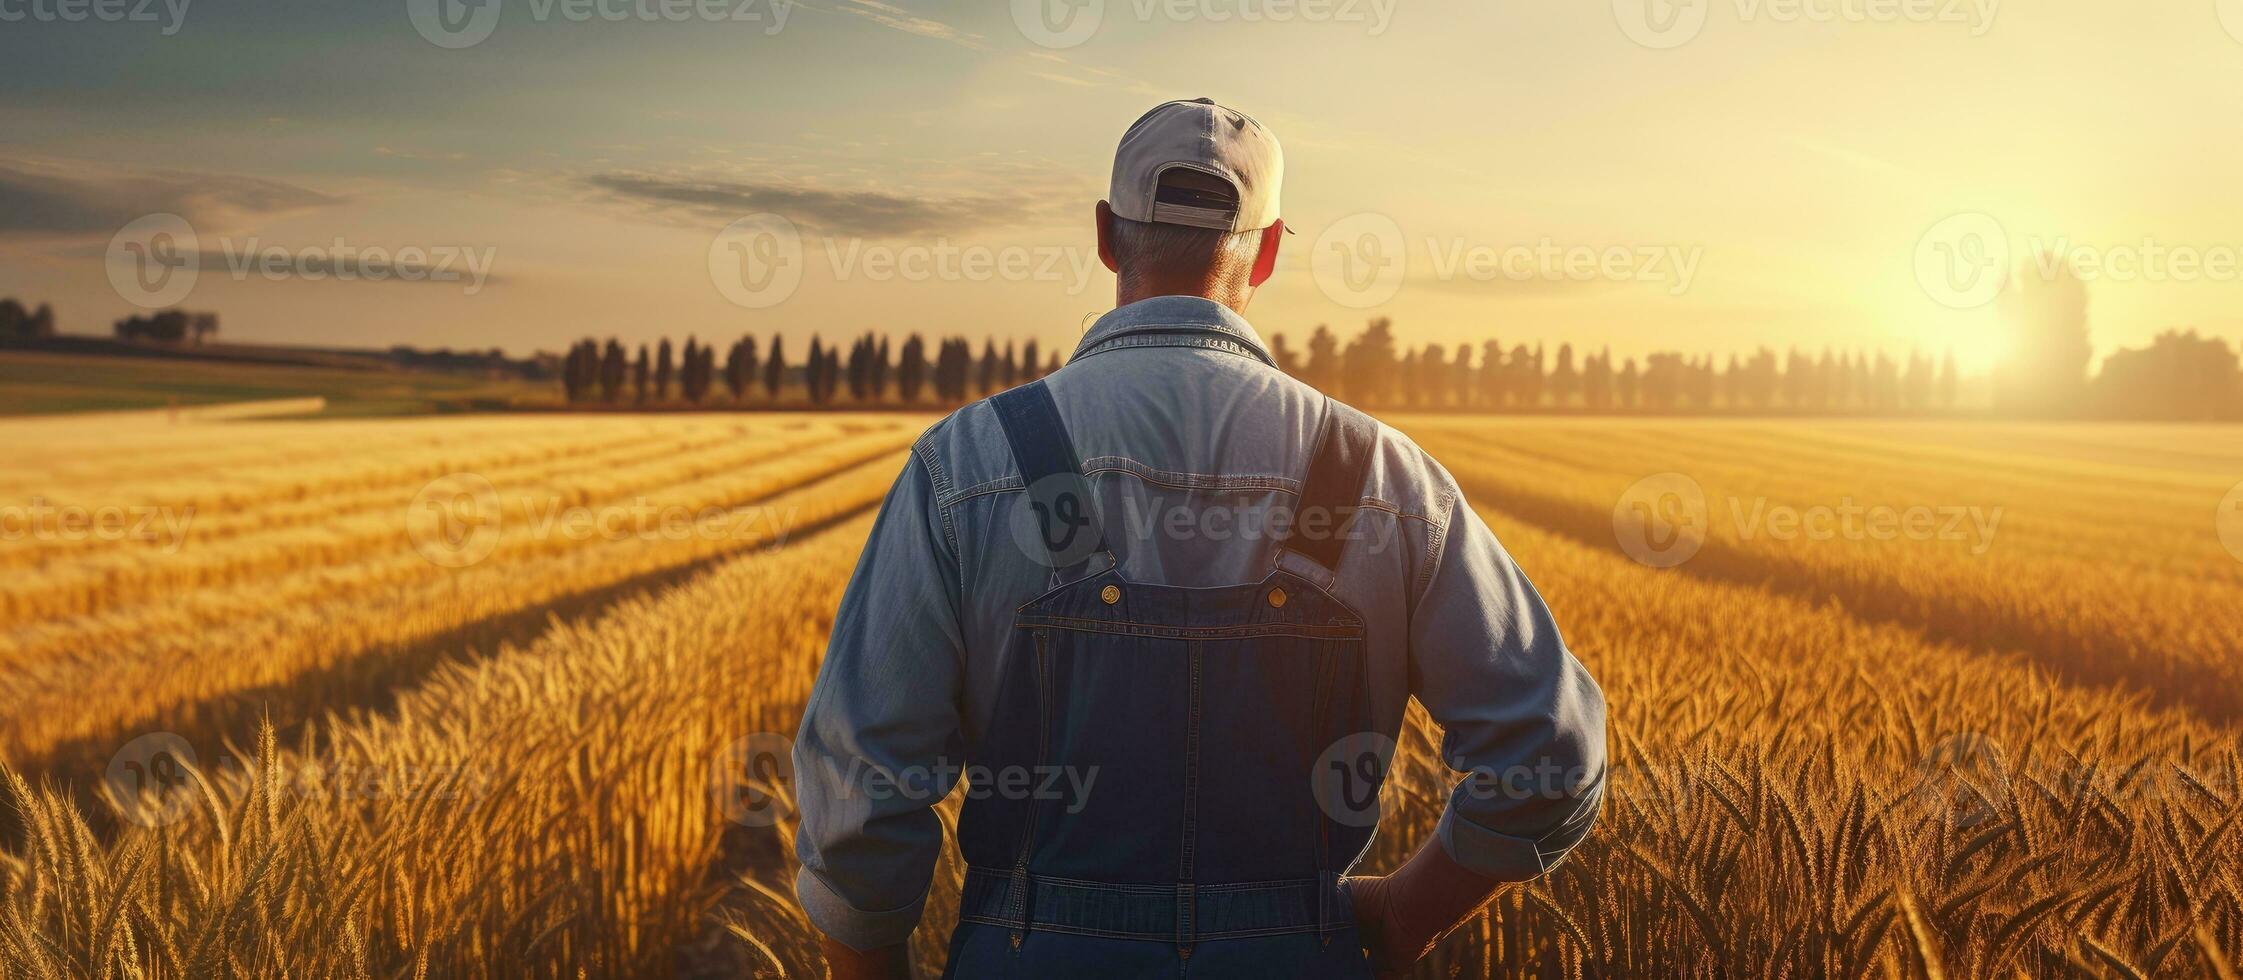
point(1104, 217)
point(1265, 264)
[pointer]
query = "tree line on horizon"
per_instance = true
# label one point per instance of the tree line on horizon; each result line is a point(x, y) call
point(1371, 370)
point(2180, 376)
point(607, 374)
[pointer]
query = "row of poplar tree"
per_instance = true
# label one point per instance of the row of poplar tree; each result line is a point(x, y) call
point(607, 374)
point(1369, 369)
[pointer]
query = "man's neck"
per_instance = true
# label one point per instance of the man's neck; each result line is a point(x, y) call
point(1228, 297)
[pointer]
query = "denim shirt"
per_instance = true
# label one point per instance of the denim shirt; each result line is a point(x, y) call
point(1191, 438)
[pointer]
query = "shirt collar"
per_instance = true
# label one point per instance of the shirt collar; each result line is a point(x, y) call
point(1194, 321)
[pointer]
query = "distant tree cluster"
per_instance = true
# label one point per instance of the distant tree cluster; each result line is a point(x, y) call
point(2180, 377)
point(491, 362)
point(169, 327)
point(25, 324)
point(1373, 371)
point(870, 373)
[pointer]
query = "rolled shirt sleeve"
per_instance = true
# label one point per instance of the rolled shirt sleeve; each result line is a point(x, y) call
point(1521, 716)
point(869, 758)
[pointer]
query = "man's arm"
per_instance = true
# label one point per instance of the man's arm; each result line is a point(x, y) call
point(883, 716)
point(1519, 714)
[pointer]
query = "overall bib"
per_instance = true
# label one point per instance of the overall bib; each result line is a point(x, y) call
point(1201, 849)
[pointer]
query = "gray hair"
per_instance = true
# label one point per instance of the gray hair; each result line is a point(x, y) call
point(1148, 252)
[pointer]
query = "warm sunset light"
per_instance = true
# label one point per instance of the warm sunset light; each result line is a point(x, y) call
point(1206, 489)
point(1796, 156)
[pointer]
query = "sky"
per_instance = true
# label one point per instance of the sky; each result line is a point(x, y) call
point(1703, 175)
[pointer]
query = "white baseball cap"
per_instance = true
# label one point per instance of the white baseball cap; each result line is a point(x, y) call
point(1197, 134)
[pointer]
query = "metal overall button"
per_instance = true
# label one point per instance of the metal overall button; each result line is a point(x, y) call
point(1277, 597)
point(1111, 593)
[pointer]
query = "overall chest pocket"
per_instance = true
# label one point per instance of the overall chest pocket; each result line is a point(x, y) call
point(1187, 723)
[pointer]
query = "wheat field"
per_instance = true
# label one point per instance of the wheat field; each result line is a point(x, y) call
point(497, 696)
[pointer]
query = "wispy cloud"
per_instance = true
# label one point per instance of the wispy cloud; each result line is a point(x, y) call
point(898, 19)
point(406, 153)
point(1051, 66)
point(43, 200)
point(869, 213)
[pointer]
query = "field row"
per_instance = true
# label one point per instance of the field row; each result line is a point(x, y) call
point(343, 528)
point(2113, 583)
point(543, 812)
point(1792, 781)
point(318, 628)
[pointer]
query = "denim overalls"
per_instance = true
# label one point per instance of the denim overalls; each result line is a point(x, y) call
point(1200, 848)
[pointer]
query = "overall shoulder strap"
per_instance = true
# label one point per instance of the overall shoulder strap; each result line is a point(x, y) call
point(1337, 468)
point(1062, 511)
